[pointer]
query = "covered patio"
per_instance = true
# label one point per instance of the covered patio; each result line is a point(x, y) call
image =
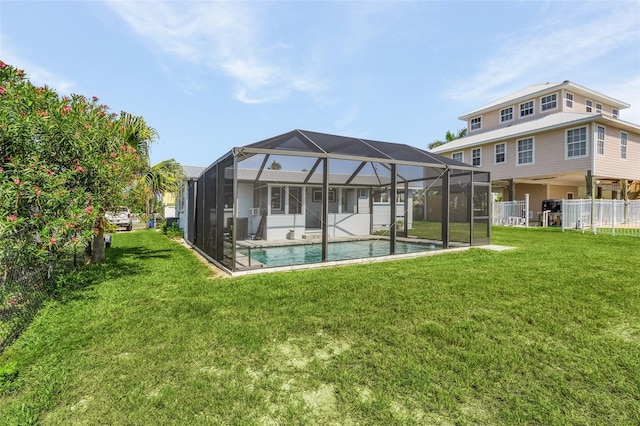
point(307, 191)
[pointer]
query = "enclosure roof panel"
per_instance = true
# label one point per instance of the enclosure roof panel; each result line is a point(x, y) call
point(326, 145)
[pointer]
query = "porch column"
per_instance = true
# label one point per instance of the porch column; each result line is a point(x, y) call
point(394, 209)
point(512, 189)
point(325, 209)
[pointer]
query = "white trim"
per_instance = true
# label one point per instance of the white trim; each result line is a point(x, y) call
point(533, 152)
point(568, 98)
point(533, 108)
point(479, 150)
point(555, 102)
point(513, 114)
point(495, 153)
point(471, 123)
point(566, 143)
point(604, 138)
point(626, 145)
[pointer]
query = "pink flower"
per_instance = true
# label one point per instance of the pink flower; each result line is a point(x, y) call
point(113, 155)
point(95, 98)
point(11, 301)
point(38, 193)
point(1, 90)
point(51, 172)
point(16, 181)
point(66, 109)
point(88, 126)
point(88, 210)
point(53, 240)
point(79, 169)
point(88, 197)
point(2, 65)
point(12, 218)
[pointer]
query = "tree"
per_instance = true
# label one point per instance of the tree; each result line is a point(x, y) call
point(448, 138)
point(275, 166)
point(156, 180)
point(64, 162)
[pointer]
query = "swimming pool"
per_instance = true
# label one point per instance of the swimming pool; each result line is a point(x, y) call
point(342, 250)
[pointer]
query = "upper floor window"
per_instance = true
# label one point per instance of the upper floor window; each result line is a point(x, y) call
point(525, 151)
point(476, 157)
point(623, 145)
point(526, 109)
point(601, 133)
point(476, 123)
point(588, 105)
point(568, 100)
point(501, 153)
point(598, 107)
point(577, 142)
point(506, 114)
point(458, 156)
point(548, 102)
point(615, 112)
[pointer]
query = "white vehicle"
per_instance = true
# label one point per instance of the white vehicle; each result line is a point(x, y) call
point(120, 217)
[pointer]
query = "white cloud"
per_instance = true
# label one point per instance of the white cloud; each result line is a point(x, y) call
point(558, 45)
point(226, 37)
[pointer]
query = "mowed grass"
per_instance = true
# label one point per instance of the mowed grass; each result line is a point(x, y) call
point(547, 333)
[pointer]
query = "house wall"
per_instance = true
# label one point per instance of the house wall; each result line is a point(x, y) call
point(610, 164)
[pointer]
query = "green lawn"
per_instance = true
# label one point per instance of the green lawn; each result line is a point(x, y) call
point(548, 333)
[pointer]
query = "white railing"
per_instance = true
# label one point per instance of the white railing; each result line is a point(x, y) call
point(511, 213)
point(616, 217)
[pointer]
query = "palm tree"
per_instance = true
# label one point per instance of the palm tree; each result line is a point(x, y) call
point(449, 137)
point(156, 180)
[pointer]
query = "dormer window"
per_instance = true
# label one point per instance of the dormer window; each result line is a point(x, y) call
point(476, 123)
point(549, 102)
point(506, 114)
point(598, 107)
point(526, 109)
point(615, 112)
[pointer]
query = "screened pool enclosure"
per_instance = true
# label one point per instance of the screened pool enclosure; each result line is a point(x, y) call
point(306, 197)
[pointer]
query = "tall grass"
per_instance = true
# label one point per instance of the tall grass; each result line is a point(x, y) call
point(547, 333)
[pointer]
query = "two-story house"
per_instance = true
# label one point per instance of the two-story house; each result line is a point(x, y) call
point(552, 141)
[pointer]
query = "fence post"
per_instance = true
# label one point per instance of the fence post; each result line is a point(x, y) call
point(593, 215)
point(526, 210)
point(613, 218)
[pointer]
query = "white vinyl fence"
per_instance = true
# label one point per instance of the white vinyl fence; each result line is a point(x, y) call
point(616, 217)
point(511, 213)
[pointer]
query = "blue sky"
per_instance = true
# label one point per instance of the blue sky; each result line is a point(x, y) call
point(209, 76)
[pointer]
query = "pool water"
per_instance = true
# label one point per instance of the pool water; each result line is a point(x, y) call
point(312, 253)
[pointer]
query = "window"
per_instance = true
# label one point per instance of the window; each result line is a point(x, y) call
point(569, 195)
point(598, 107)
point(316, 195)
point(525, 151)
point(526, 109)
point(458, 156)
point(588, 105)
point(615, 112)
point(476, 157)
point(623, 145)
point(476, 123)
point(506, 114)
point(295, 200)
point(276, 198)
point(548, 102)
point(577, 142)
point(601, 133)
point(568, 100)
point(501, 153)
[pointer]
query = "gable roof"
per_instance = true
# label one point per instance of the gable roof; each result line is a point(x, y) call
point(540, 90)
